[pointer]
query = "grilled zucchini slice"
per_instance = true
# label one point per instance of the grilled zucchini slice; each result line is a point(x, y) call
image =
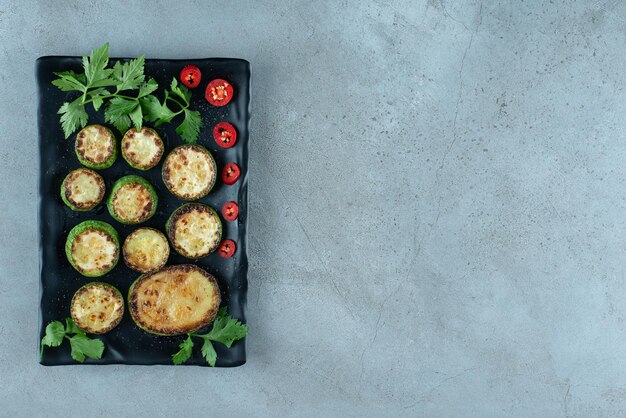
point(82, 189)
point(132, 200)
point(96, 147)
point(142, 149)
point(145, 250)
point(93, 248)
point(189, 172)
point(174, 300)
point(194, 230)
point(97, 308)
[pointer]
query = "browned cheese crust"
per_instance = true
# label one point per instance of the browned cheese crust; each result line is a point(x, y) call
point(174, 300)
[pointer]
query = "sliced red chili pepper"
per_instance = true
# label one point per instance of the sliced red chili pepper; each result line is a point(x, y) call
point(225, 134)
point(227, 248)
point(230, 211)
point(219, 92)
point(190, 76)
point(230, 173)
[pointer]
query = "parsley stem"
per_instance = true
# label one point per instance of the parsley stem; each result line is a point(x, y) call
point(179, 104)
point(203, 336)
point(109, 96)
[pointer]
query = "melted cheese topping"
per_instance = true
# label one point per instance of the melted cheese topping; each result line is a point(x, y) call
point(143, 148)
point(84, 188)
point(97, 308)
point(132, 202)
point(190, 172)
point(146, 250)
point(175, 300)
point(95, 144)
point(93, 251)
point(196, 233)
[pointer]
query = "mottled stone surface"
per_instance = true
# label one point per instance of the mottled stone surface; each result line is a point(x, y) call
point(437, 210)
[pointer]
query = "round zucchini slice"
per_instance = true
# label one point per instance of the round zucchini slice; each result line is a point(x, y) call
point(97, 308)
point(189, 172)
point(82, 189)
point(174, 300)
point(142, 149)
point(93, 248)
point(132, 200)
point(145, 250)
point(195, 230)
point(96, 147)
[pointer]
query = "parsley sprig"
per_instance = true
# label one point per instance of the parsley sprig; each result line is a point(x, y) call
point(159, 112)
point(81, 345)
point(96, 87)
point(226, 330)
point(126, 96)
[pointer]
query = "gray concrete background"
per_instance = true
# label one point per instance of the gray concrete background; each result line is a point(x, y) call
point(437, 207)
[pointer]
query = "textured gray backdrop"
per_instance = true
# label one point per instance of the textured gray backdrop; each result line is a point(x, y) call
point(437, 207)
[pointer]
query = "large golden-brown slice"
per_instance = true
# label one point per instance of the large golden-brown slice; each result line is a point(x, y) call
point(174, 300)
point(97, 308)
point(189, 172)
point(142, 149)
point(82, 189)
point(96, 147)
point(146, 249)
point(195, 230)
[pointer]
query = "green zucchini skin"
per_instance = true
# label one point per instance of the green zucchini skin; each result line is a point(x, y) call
point(97, 166)
point(181, 210)
point(99, 284)
point(70, 204)
point(82, 227)
point(123, 182)
point(67, 202)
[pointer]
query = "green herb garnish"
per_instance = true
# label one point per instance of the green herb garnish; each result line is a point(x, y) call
point(226, 330)
point(160, 113)
point(82, 346)
point(114, 88)
point(96, 87)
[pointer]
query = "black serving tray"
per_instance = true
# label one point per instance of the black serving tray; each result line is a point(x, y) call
point(127, 344)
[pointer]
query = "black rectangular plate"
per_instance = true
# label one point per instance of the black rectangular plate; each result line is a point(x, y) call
point(127, 344)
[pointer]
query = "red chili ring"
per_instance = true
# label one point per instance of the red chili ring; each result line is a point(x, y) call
point(227, 248)
point(230, 173)
point(219, 92)
point(190, 76)
point(230, 211)
point(225, 134)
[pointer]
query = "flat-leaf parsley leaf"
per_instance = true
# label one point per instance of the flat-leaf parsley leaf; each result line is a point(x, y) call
point(226, 330)
point(121, 109)
point(81, 345)
point(185, 351)
point(159, 112)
